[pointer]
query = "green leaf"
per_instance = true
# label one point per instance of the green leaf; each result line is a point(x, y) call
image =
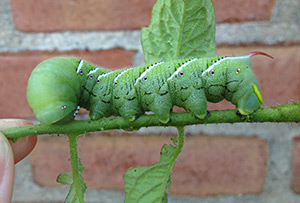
point(180, 29)
point(67, 179)
point(74, 178)
point(151, 183)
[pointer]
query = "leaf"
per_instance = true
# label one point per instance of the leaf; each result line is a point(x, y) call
point(180, 29)
point(151, 183)
point(67, 179)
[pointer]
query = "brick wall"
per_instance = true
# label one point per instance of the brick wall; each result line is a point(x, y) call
point(219, 163)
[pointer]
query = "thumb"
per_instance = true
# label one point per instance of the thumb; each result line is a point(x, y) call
point(6, 170)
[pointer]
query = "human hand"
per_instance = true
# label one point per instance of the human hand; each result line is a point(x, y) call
point(10, 154)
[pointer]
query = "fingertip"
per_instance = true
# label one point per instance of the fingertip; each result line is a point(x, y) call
point(13, 122)
point(6, 170)
point(23, 146)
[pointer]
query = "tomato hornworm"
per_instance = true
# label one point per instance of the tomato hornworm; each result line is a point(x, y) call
point(59, 86)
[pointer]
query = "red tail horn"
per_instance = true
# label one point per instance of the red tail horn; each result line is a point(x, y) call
point(259, 53)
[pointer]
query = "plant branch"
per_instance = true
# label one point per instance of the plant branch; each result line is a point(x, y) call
point(75, 167)
point(289, 112)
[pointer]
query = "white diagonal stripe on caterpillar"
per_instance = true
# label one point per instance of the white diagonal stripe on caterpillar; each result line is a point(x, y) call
point(213, 65)
point(80, 65)
point(119, 75)
point(105, 74)
point(146, 71)
point(92, 71)
point(181, 67)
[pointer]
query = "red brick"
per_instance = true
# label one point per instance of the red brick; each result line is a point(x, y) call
point(212, 165)
point(233, 11)
point(208, 165)
point(296, 165)
point(46, 169)
point(104, 157)
point(15, 70)
point(56, 15)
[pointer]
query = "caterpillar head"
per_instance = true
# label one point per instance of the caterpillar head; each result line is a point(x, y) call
point(242, 85)
point(54, 88)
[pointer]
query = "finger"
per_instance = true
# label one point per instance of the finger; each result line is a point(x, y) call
point(6, 170)
point(23, 146)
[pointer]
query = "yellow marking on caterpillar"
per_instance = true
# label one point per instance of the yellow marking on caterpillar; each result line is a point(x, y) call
point(257, 93)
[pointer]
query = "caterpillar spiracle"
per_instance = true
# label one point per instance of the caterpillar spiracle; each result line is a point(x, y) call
point(59, 86)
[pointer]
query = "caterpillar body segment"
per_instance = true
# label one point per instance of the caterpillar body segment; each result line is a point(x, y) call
point(102, 96)
point(87, 89)
point(242, 87)
point(58, 87)
point(55, 87)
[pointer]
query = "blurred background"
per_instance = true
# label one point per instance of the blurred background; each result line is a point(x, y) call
point(219, 163)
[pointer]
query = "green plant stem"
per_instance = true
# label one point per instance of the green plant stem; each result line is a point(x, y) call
point(180, 139)
point(179, 145)
point(289, 112)
point(75, 166)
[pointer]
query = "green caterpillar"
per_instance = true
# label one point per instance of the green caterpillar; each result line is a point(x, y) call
point(58, 87)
